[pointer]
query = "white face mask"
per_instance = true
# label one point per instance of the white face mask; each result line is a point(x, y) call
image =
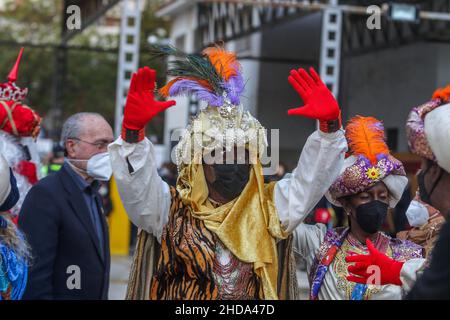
point(417, 214)
point(98, 166)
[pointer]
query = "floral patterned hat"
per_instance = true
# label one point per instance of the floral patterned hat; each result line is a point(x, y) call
point(427, 128)
point(367, 163)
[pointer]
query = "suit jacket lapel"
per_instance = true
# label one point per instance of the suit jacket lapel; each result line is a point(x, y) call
point(80, 208)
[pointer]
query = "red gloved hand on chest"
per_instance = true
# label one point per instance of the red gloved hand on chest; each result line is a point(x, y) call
point(389, 268)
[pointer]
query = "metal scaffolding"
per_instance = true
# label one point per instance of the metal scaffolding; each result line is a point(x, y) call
point(130, 27)
point(344, 30)
point(330, 52)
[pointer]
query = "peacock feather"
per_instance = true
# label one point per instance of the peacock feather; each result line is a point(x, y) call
point(210, 76)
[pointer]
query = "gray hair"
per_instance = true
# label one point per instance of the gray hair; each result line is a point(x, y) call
point(73, 126)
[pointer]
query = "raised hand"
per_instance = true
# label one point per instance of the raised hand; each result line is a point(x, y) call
point(389, 268)
point(319, 102)
point(141, 105)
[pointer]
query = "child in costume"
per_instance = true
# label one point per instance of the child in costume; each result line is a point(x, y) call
point(370, 182)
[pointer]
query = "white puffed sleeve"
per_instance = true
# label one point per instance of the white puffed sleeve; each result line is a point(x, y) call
point(145, 196)
point(319, 165)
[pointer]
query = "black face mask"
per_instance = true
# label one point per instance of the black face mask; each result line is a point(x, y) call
point(231, 179)
point(370, 216)
point(425, 196)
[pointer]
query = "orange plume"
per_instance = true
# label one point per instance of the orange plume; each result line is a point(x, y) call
point(442, 93)
point(164, 91)
point(224, 62)
point(365, 136)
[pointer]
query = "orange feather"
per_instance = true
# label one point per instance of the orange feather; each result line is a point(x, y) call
point(365, 136)
point(164, 91)
point(442, 93)
point(225, 63)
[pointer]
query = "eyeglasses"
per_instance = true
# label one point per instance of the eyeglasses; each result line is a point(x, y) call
point(102, 144)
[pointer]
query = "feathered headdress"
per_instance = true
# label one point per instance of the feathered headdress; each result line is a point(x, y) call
point(368, 162)
point(365, 138)
point(214, 76)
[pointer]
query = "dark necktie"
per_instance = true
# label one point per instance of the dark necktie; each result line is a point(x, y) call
point(96, 219)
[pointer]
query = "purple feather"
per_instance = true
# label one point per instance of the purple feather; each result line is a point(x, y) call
point(378, 126)
point(234, 88)
point(366, 161)
point(381, 156)
point(193, 87)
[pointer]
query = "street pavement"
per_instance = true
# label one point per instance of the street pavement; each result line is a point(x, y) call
point(120, 269)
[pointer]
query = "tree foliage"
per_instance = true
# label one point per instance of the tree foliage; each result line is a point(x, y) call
point(91, 70)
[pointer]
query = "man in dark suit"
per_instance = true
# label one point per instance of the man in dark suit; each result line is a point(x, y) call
point(62, 217)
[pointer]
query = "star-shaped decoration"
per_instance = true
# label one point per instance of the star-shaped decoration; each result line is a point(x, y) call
point(373, 173)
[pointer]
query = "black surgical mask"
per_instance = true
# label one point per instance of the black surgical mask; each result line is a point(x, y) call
point(370, 216)
point(231, 179)
point(425, 196)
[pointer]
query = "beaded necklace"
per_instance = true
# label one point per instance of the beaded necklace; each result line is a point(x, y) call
point(231, 275)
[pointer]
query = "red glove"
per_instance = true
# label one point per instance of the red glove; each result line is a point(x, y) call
point(389, 268)
point(141, 105)
point(319, 102)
